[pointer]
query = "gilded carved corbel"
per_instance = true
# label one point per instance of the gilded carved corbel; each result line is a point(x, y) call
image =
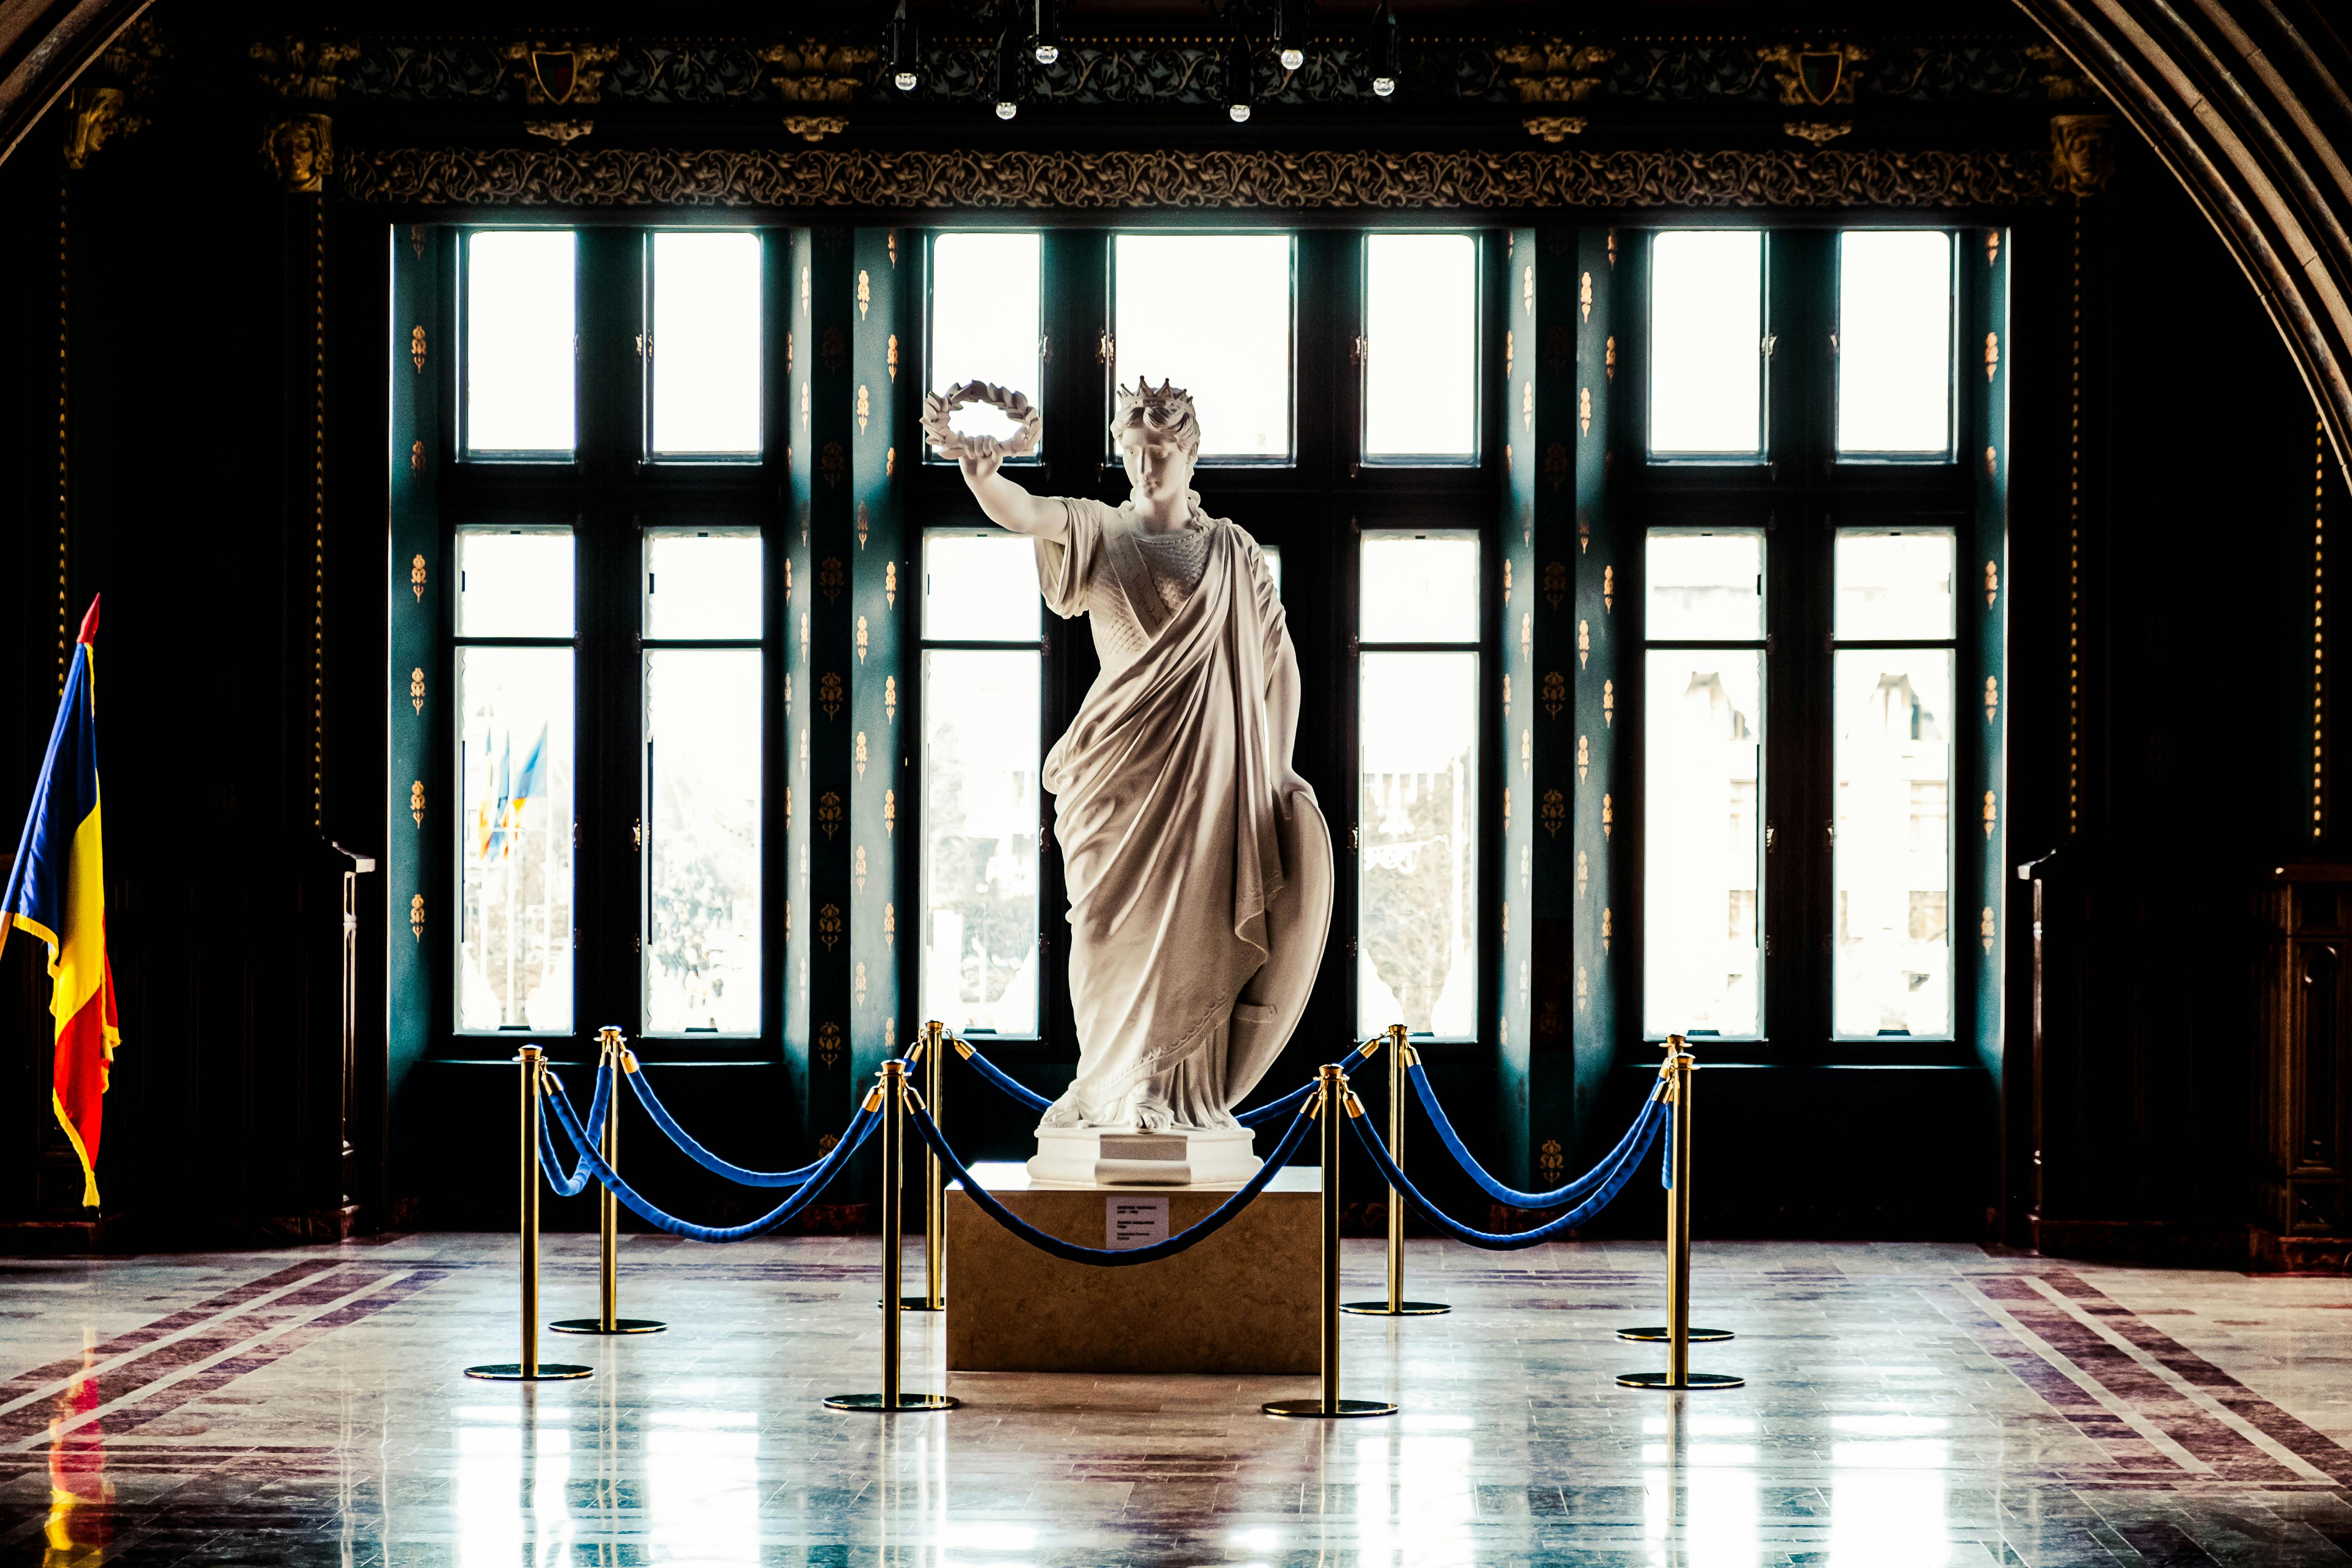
point(2080, 161)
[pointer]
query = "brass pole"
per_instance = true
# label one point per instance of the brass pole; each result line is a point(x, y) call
point(613, 1057)
point(1677, 1331)
point(1331, 1101)
point(891, 1094)
point(1401, 1059)
point(931, 1052)
point(529, 1369)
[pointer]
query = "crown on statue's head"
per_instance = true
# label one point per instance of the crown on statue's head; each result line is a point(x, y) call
point(1166, 409)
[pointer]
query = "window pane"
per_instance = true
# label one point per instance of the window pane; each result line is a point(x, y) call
point(1272, 554)
point(706, 345)
point(514, 583)
point(1418, 868)
point(702, 849)
point(703, 583)
point(980, 752)
point(1211, 312)
point(1420, 587)
point(984, 289)
point(980, 587)
point(1894, 342)
point(1895, 585)
point(518, 343)
point(1702, 972)
point(1705, 587)
point(1420, 320)
point(1707, 332)
point(514, 852)
point(1894, 855)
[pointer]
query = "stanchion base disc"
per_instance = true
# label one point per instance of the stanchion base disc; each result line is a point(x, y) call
point(1661, 1335)
point(879, 1403)
point(512, 1372)
point(918, 1304)
point(596, 1326)
point(1313, 1409)
point(1402, 1309)
point(1698, 1380)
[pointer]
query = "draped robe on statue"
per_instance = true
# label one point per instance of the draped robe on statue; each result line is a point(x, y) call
point(1171, 831)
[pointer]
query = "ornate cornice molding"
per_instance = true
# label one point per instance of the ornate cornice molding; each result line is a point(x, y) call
point(532, 176)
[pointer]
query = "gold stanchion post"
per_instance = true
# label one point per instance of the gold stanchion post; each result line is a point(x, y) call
point(1400, 1060)
point(1677, 1333)
point(615, 1056)
point(529, 1369)
point(890, 1095)
point(932, 1052)
point(1331, 1101)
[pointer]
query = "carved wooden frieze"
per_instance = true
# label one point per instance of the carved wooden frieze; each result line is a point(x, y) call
point(774, 177)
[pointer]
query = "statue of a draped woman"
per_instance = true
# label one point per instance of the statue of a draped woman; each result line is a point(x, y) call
point(1197, 862)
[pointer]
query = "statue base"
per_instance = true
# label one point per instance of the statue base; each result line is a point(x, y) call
point(1121, 1157)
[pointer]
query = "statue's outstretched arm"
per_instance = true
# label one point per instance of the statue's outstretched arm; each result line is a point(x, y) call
point(1009, 506)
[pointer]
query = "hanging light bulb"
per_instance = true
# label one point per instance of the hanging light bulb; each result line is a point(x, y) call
point(1384, 85)
point(1286, 37)
point(1008, 75)
point(906, 48)
point(1049, 36)
point(1292, 58)
point(1238, 85)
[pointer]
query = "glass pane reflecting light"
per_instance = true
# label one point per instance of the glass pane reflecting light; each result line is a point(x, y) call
point(1706, 330)
point(1421, 319)
point(983, 322)
point(702, 862)
point(980, 587)
point(1706, 728)
point(514, 583)
point(1893, 871)
point(514, 849)
point(706, 345)
point(1420, 588)
point(1894, 342)
point(1705, 587)
point(519, 332)
point(981, 916)
point(1419, 872)
point(1895, 585)
point(703, 584)
point(1212, 314)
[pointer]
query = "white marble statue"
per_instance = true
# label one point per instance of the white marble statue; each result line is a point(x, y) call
point(1198, 865)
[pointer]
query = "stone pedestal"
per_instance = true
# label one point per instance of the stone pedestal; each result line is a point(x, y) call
point(1110, 1156)
point(1242, 1302)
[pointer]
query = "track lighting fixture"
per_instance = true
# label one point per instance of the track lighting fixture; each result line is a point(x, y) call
point(1391, 50)
point(1238, 85)
point(1008, 74)
point(1288, 35)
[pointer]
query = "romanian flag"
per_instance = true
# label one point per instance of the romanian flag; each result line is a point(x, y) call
point(57, 891)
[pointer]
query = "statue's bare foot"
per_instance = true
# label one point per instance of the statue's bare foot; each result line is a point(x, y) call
point(1153, 1114)
point(1064, 1112)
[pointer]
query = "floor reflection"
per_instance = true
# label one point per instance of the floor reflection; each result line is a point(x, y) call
point(81, 1519)
point(1887, 1502)
point(1698, 1488)
point(1413, 1496)
point(514, 1466)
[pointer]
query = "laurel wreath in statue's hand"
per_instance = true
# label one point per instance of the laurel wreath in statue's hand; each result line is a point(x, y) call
point(939, 407)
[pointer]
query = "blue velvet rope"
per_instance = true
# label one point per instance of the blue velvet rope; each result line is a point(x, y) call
point(1369, 1135)
point(1496, 1190)
point(703, 1157)
point(569, 1183)
point(1268, 1111)
point(1070, 1252)
point(1020, 1092)
point(861, 1126)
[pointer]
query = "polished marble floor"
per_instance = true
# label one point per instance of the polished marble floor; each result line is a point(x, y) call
point(1906, 1405)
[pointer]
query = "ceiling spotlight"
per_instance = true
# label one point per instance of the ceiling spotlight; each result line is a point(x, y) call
point(1048, 35)
point(1240, 88)
point(1391, 48)
point(1288, 35)
point(906, 50)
